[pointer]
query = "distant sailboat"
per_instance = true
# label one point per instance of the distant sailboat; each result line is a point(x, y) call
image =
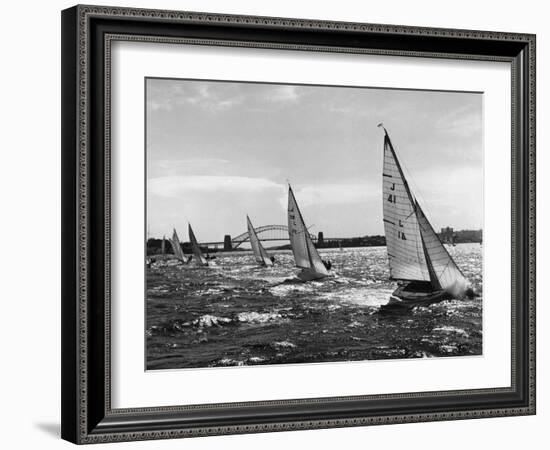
point(176, 247)
point(415, 253)
point(305, 253)
point(199, 257)
point(260, 253)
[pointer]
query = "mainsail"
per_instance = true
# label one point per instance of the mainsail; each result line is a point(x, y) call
point(305, 253)
point(196, 249)
point(403, 240)
point(176, 246)
point(260, 253)
point(415, 252)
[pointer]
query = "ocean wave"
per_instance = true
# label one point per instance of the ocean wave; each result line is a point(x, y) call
point(283, 344)
point(229, 362)
point(284, 289)
point(446, 329)
point(209, 320)
point(256, 359)
point(448, 349)
point(359, 296)
point(255, 317)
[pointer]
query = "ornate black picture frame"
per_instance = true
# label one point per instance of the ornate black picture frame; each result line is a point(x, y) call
point(87, 34)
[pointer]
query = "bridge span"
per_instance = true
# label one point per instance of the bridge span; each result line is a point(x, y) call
point(265, 233)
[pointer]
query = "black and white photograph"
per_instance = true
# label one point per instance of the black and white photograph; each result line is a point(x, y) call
point(275, 220)
point(292, 223)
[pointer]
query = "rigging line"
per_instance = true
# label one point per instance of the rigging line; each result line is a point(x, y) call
point(446, 267)
point(303, 232)
point(410, 214)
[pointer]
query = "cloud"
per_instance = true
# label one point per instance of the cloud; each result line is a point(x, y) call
point(168, 95)
point(178, 186)
point(463, 121)
point(282, 94)
point(190, 165)
point(327, 194)
point(156, 105)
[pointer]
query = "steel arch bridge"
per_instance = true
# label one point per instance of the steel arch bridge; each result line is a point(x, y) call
point(266, 233)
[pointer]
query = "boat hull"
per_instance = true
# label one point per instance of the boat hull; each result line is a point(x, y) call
point(412, 295)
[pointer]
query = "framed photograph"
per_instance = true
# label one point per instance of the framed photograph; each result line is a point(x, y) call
point(280, 224)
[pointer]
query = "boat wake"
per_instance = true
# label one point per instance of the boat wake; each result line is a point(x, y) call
point(359, 296)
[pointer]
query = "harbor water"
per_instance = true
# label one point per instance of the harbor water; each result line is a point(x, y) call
point(235, 313)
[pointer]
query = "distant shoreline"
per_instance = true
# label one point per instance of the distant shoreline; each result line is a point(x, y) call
point(447, 236)
point(272, 250)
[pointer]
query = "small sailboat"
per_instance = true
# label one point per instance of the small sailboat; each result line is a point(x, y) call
point(418, 260)
point(199, 257)
point(176, 247)
point(305, 253)
point(261, 255)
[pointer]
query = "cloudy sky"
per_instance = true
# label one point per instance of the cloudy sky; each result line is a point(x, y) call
point(217, 151)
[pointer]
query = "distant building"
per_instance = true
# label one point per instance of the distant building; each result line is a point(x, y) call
point(447, 235)
point(227, 244)
point(320, 239)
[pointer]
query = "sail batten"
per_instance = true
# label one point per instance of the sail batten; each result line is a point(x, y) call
point(260, 253)
point(306, 255)
point(196, 248)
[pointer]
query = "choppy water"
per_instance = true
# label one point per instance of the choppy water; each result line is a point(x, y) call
point(236, 313)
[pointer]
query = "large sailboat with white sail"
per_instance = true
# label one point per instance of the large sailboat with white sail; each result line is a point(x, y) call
point(418, 260)
point(261, 255)
point(306, 255)
point(197, 252)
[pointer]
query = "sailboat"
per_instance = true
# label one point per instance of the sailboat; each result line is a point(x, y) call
point(305, 253)
point(418, 260)
point(261, 255)
point(176, 247)
point(199, 257)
